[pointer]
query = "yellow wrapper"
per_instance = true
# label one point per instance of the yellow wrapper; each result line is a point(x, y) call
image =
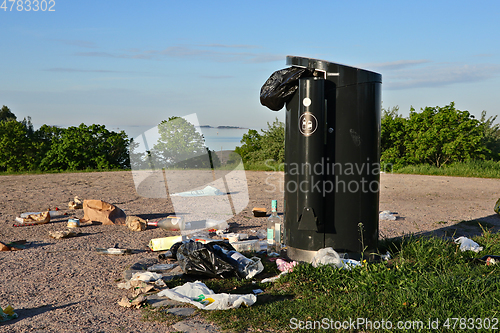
point(164, 244)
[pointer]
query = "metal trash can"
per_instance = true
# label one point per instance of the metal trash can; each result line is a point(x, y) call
point(332, 159)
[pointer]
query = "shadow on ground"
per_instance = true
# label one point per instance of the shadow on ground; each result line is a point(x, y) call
point(30, 313)
point(468, 228)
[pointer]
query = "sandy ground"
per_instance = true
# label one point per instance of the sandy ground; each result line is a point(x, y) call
point(66, 286)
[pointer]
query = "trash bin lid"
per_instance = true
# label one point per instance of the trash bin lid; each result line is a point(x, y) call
point(342, 75)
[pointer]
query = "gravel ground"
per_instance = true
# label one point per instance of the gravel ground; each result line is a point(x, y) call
point(66, 286)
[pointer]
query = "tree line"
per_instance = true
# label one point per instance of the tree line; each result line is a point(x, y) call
point(437, 136)
point(51, 148)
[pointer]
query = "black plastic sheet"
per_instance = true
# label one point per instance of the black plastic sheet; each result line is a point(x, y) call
point(281, 86)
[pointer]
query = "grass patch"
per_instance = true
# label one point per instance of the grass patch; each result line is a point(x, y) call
point(479, 169)
point(427, 278)
point(160, 314)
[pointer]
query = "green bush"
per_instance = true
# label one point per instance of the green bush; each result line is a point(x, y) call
point(436, 136)
point(270, 145)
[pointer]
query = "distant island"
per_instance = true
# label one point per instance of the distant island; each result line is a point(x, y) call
point(223, 127)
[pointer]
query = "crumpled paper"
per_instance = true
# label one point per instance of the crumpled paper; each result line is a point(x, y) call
point(63, 234)
point(135, 223)
point(128, 303)
point(198, 294)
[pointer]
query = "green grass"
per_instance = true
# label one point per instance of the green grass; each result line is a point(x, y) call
point(427, 278)
point(480, 169)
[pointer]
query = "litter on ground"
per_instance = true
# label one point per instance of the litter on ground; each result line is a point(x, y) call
point(199, 295)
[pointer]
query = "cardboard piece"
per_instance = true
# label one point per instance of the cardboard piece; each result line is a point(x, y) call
point(101, 211)
point(4, 247)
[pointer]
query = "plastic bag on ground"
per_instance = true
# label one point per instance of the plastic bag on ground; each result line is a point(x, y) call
point(328, 256)
point(281, 86)
point(198, 294)
point(467, 244)
point(387, 215)
point(207, 191)
point(200, 259)
point(497, 207)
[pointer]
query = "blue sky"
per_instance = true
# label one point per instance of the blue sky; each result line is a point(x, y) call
point(136, 63)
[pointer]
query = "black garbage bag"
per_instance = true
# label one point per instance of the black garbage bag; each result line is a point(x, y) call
point(281, 86)
point(196, 258)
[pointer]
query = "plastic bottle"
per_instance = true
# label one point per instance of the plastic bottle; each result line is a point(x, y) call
point(53, 213)
point(247, 268)
point(170, 223)
point(274, 229)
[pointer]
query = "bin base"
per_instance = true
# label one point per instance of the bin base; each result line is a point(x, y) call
point(299, 254)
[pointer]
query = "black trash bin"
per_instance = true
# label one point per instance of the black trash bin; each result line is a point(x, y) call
point(332, 156)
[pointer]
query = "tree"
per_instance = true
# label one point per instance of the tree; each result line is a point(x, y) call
point(392, 137)
point(14, 146)
point(273, 142)
point(491, 135)
point(442, 135)
point(251, 142)
point(270, 145)
point(6, 114)
point(435, 136)
point(180, 145)
point(85, 147)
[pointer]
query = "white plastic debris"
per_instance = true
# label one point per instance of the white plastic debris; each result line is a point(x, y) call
point(274, 278)
point(385, 256)
point(146, 276)
point(262, 234)
point(467, 244)
point(198, 294)
point(328, 256)
point(387, 215)
point(349, 263)
point(207, 191)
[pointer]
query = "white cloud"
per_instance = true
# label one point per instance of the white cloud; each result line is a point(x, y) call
point(395, 65)
point(406, 74)
point(229, 53)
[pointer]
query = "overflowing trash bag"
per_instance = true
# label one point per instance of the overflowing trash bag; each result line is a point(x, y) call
point(281, 86)
point(196, 258)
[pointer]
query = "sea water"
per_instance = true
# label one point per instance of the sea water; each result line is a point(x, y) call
point(215, 138)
